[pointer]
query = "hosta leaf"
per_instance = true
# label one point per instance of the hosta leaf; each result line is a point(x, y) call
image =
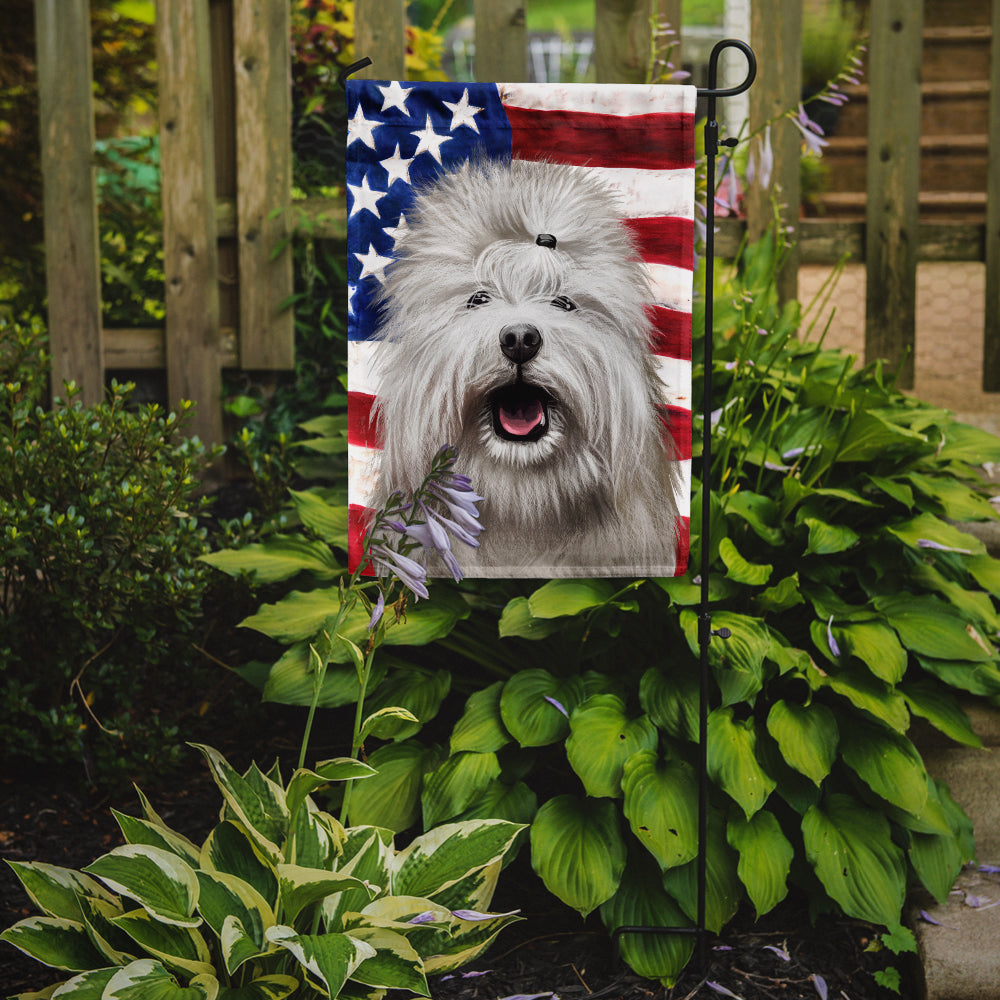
point(641, 901)
point(391, 798)
point(870, 435)
point(386, 723)
point(466, 941)
point(227, 897)
point(147, 979)
point(876, 646)
point(98, 916)
point(931, 628)
point(758, 511)
point(56, 891)
point(456, 784)
point(723, 889)
point(765, 858)
point(275, 987)
point(941, 709)
point(807, 736)
point(327, 520)
point(481, 727)
point(366, 856)
point(418, 690)
point(928, 528)
point(301, 887)
point(888, 763)
point(602, 738)
point(739, 569)
point(395, 964)
point(441, 857)
point(516, 803)
point(986, 571)
point(661, 799)
point(850, 848)
point(976, 678)
point(965, 443)
point(671, 700)
point(517, 620)
point(827, 539)
point(87, 986)
point(866, 692)
point(937, 859)
point(279, 558)
point(732, 760)
point(54, 941)
point(783, 595)
point(530, 706)
point(141, 831)
point(159, 881)
point(230, 849)
point(330, 959)
point(304, 782)
point(738, 661)
point(180, 948)
point(957, 501)
point(291, 680)
point(558, 598)
point(578, 851)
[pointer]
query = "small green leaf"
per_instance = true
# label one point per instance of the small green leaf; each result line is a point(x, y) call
point(941, 709)
point(418, 690)
point(535, 706)
point(828, 539)
point(739, 569)
point(180, 948)
point(456, 785)
point(888, 763)
point(327, 520)
point(279, 558)
point(807, 736)
point(391, 798)
point(732, 760)
point(559, 598)
point(301, 887)
point(517, 620)
point(765, 858)
point(671, 700)
point(932, 628)
point(481, 727)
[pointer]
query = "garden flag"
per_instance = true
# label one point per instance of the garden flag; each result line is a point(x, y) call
point(520, 280)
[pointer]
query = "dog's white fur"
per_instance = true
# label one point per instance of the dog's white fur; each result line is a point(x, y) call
point(594, 495)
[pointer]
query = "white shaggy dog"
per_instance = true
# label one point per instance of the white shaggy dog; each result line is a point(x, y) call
point(515, 329)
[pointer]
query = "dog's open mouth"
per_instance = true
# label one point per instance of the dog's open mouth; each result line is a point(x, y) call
point(520, 412)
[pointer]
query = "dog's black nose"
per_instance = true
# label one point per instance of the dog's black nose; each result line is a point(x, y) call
point(520, 342)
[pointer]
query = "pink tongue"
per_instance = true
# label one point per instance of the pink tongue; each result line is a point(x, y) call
point(521, 419)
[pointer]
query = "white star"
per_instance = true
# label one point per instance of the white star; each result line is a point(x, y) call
point(397, 167)
point(399, 231)
point(360, 128)
point(463, 113)
point(364, 197)
point(430, 142)
point(373, 264)
point(395, 97)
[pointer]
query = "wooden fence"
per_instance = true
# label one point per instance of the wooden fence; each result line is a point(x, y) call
point(226, 160)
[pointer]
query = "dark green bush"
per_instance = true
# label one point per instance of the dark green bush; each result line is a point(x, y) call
point(99, 578)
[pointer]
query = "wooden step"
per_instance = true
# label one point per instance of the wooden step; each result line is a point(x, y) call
point(956, 53)
point(958, 206)
point(939, 13)
point(947, 105)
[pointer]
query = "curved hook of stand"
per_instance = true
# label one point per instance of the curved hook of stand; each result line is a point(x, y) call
point(712, 90)
point(353, 68)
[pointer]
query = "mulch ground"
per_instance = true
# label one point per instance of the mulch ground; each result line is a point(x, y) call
point(551, 952)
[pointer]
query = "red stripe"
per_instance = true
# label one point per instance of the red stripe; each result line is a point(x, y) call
point(583, 138)
point(677, 423)
point(683, 545)
point(361, 427)
point(664, 239)
point(671, 332)
point(357, 517)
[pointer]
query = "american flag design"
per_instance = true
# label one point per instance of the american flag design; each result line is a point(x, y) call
point(639, 139)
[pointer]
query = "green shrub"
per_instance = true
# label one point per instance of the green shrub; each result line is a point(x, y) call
point(99, 541)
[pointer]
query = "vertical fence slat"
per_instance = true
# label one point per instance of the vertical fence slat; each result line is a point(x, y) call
point(501, 41)
point(991, 333)
point(261, 56)
point(72, 256)
point(776, 35)
point(893, 183)
point(622, 40)
point(380, 34)
point(190, 253)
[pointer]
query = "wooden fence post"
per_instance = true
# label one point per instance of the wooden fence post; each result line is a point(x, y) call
point(623, 37)
point(893, 183)
point(262, 60)
point(380, 34)
point(501, 41)
point(190, 251)
point(991, 333)
point(776, 35)
point(72, 255)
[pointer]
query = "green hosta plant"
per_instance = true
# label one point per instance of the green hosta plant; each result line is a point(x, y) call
point(279, 900)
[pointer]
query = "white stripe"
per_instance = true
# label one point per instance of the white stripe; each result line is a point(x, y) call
point(645, 193)
point(362, 358)
point(675, 375)
point(682, 493)
point(362, 472)
point(671, 286)
point(611, 99)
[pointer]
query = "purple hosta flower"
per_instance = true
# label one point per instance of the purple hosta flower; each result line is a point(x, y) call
point(927, 543)
point(719, 988)
point(377, 612)
point(820, 983)
point(427, 917)
point(812, 134)
point(461, 503)
point(558, 705)
point(410, 572)
point(834, 648)
point(475, 915)
point(431, 535)
point(989, 869)
point(761, 163)
point(727, 197)
point(780, 952)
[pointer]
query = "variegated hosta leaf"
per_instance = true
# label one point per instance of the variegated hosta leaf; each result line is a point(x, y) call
point(177, 947)
point(147, 979)
point(304, 782)
point(441, 857)
point(274, 987)
point(475, 891)
point(158, 880)
point(642, 902)
point(602, 737)
point(256, 801)
point(807, 736)
point(850, 847)
point(732, 760)
point(661, 799)
point(366, 855)
point(578, 851)
point(86, 986)
point(54, 941)
point(230, 849)
point(395, 964)
point(141, 831)
point(468, 939)
point(116, 947)
point(765, 858)
point(329, 959)
point(56, 891)
point(300, 887)
point(315, 838)
point(225, 897)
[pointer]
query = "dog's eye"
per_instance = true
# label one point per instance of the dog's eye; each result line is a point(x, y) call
point(564, 303)
point(479, 298)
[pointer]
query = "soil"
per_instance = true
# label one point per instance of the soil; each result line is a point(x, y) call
point(551, 952)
